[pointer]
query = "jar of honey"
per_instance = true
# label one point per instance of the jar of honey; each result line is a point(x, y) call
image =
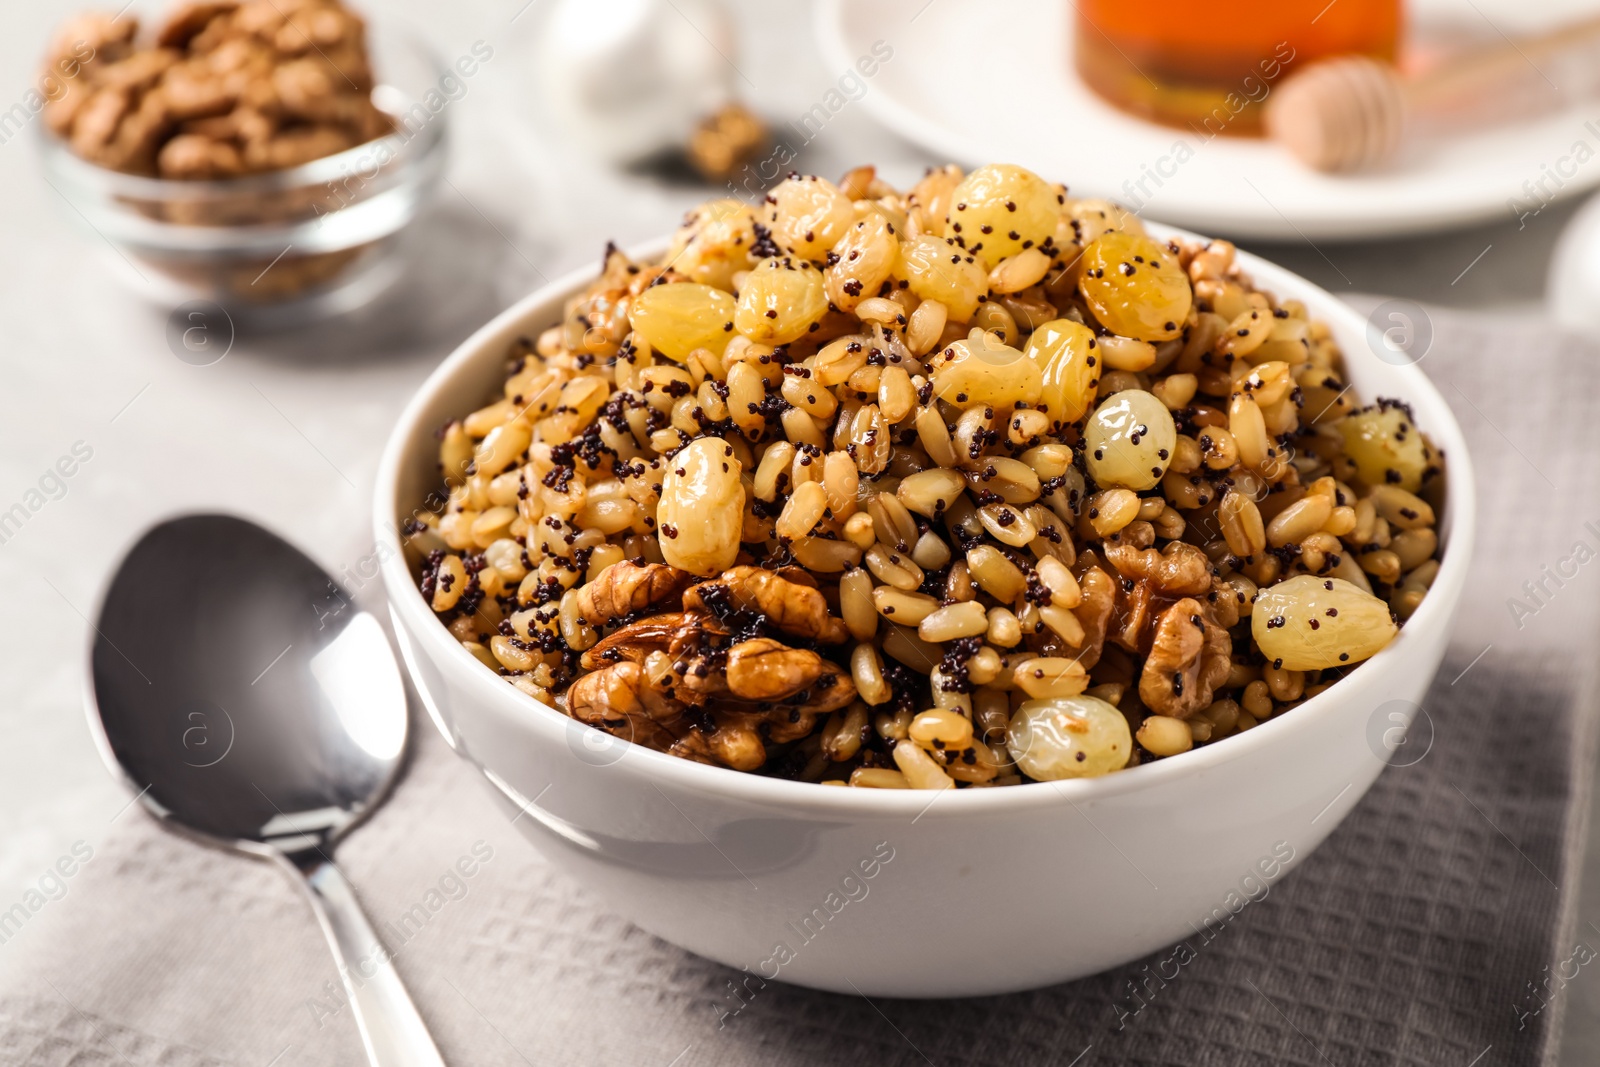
point(1208, 67)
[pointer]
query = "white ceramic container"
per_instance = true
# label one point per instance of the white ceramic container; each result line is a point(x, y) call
point(915, 894)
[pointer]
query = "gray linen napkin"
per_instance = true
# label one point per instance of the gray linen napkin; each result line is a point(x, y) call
point(1436, 926)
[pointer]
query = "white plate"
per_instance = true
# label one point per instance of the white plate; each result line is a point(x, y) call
point(980, 82)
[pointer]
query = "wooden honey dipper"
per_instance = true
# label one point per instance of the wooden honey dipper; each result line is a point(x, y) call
point(1352, 112)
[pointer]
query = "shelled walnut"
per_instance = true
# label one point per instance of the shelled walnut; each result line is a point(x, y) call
point(224, 89)
point(687, 682)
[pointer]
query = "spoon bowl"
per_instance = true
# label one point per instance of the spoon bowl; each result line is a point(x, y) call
point(247, 701)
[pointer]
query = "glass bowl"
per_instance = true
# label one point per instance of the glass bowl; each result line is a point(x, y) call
point(286, 246)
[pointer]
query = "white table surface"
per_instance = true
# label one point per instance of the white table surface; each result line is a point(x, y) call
point(287, 430)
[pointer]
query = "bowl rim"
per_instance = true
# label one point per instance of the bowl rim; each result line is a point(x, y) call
point(1458, 524)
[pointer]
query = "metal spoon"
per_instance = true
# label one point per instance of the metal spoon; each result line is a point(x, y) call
point(237, 689)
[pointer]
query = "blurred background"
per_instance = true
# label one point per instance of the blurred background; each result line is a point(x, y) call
point(572, 130)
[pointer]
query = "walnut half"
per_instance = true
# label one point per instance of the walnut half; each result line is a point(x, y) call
point(764, 669)
point(617, 700)
point(791, 607)
point(626, 587)
point(1190, 655)
point(1178, 570)
point(672, 631)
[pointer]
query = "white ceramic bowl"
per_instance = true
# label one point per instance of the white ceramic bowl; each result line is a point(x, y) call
point(906, 893)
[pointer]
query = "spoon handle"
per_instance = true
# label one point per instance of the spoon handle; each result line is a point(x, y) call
point(391, 1029)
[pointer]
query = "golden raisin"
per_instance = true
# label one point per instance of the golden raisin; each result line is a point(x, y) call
point(1135, 286)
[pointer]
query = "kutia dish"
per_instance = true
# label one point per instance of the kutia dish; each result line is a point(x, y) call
point(729, 865)
point(971, 486)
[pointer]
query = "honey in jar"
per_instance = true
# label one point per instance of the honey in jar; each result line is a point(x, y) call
point(1208, 66)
